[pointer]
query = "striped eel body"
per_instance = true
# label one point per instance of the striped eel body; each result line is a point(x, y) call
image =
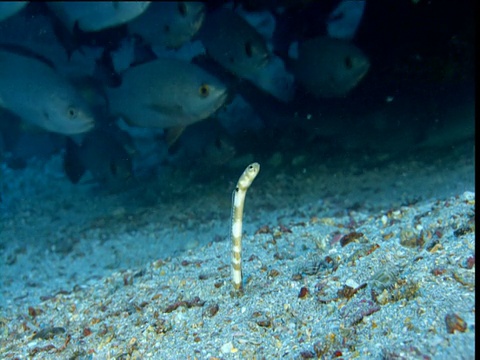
point(238, 200)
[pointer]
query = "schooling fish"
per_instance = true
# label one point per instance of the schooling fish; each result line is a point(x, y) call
point(31, 89)
point(234, 43)
point(328, 67)
point(169, 24)
point(166, 93)
point(96, 15)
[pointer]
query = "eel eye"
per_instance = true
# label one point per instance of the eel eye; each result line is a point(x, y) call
point(204, 90)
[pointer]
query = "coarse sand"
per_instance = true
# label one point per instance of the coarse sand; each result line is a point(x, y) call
point(343, 258)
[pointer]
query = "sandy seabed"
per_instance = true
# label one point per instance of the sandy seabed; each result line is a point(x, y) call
point(343, 259)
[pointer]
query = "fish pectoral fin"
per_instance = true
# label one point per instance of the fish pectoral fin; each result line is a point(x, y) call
point(172, 110)
point(172, 134)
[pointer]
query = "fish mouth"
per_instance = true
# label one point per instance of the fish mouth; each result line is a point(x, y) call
point(84, 126)
point(219, 102)
point(198, 20)
point(222, 98)
point(362, 73)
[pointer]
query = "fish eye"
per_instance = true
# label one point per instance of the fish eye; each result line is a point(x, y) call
point(348, 62)
point(249, 49)
point(204, 90)
point(72, 113)
point(182, 9)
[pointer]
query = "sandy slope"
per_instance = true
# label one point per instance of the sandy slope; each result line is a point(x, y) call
point(145, 273)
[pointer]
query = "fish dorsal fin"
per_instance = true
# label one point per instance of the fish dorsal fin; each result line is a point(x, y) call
point(23, 51)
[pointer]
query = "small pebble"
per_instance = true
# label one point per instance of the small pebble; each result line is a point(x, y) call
point(303, 293)
point(227, 348)
point(455, 323)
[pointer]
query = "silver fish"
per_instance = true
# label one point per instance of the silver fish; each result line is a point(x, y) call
point(166, 93)
point(234, 43)
point(96, 15)
point(169, 24)
point(36, 93)
point(328, 67)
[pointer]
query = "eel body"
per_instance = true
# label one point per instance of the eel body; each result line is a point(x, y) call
point(238, 202)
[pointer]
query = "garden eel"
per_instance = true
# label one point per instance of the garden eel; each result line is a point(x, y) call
point(238, 200)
